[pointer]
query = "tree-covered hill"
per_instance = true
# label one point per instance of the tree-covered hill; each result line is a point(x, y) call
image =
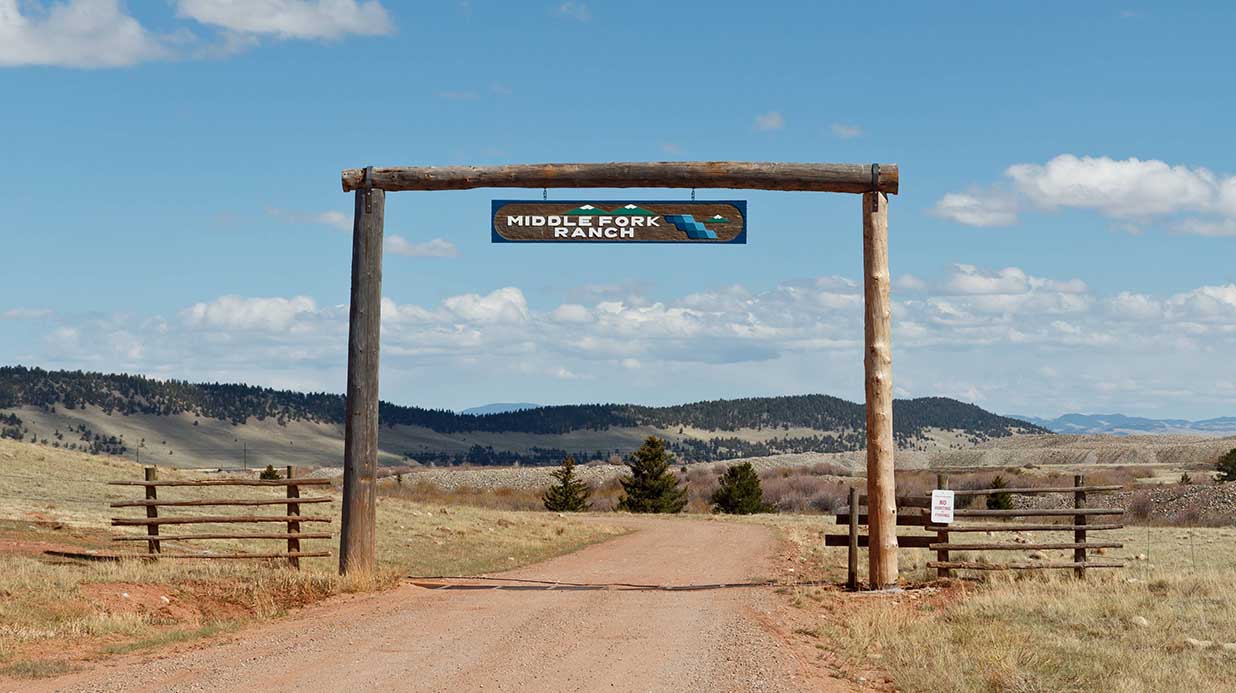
point(845, 421)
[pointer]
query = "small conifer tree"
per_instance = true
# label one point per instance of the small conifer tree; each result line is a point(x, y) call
point(651, 487)
point(999, 501)
point(1227, 466)
point(569, 494)
point(740, 492)
point(269, 473)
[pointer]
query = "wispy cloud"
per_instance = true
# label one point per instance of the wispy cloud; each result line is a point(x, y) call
point(575, 10)
point(984, 209)
point(846, 132)
point(25, 314)
point(769, 121)
point(291, 19)
point(437, 247)
point(332, 218)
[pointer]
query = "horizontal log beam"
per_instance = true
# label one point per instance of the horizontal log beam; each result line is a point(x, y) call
point(239, 535)
point(227, 482)
point(1027, 547)
point(1036, 491)
point(967, 565)
point(744, 175)
point(1021, 527)
point(289, 554)
point(902, 542)
point(904, 520)
point(241, 501)
point(210, 519)
point(902, 502)
point(1037, 512)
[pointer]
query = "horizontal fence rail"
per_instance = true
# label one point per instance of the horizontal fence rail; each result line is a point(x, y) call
point(916, 515)
point(293, 517)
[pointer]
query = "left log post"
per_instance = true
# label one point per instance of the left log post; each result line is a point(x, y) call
point(357, 539)
point(878, 363)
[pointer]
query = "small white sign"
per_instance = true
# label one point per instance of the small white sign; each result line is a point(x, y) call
point(941, 506)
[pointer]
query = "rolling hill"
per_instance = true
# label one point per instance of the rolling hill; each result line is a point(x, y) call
point(215, 424)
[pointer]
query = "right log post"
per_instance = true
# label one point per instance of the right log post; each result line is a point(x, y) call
point(878, 362)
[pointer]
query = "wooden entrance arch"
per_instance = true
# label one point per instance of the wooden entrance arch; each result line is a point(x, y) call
point(357, 549)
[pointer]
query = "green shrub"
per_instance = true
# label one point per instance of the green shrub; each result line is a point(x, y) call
point(651, 487)
point(999, 501)
point(740, 492)
point(1227, 466)
point(269, 473)
point(569, 494)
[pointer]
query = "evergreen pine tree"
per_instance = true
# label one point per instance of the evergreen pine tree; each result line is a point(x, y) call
point(569, 494)
point(269, 473)
point(999, 501)
point(740, 492)
point(1227, 466)
point(651, 487)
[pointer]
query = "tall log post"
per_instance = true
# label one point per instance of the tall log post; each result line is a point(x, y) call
point(878, 361)
point(357, 540)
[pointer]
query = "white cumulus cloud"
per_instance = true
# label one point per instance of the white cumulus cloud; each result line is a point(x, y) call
point(1130, 191)
point(240, 313)
point(77, 33)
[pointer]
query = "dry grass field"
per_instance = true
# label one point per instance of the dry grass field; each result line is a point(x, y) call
point(55, 612)
point(1165, 623)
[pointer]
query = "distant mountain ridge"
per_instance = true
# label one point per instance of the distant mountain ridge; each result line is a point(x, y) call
point(498, 408)
point(1119, 424)
point(113, 410)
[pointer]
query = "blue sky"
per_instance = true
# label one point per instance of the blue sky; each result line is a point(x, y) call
point(1063, 240)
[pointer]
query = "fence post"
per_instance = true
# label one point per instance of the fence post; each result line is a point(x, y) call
point(152, 512)
point(293, 527)
point(1079, 535)
point(942, 535)
point(851, 581)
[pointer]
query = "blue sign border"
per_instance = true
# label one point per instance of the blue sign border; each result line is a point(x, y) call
point(741, 238)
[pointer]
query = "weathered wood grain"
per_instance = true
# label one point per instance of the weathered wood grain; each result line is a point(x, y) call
point(1030, 547)
point(237, 535)
point(226, 482)
point(357, 540)
point(211, 519)
point(220, 501)
point(1033, 565)
point(745, 175)
point(878, 364)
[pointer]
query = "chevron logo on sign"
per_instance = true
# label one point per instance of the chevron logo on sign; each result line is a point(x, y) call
point(687, 224)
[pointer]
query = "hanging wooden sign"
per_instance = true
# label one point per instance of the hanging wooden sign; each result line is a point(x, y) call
point(619, 221)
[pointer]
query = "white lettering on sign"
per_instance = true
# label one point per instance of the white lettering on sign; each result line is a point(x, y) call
point(595, 232)
point(941, 506)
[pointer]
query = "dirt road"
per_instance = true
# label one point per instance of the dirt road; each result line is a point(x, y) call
point(614, 639)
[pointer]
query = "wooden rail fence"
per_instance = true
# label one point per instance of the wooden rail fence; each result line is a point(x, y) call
point(914, 512)
point(293, 519)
